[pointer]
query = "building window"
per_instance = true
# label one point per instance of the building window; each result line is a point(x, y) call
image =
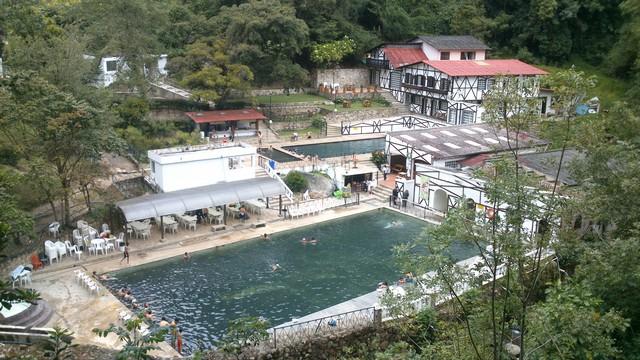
point(112, 65)
point(444, 85)
point(444, 55)
point(482, 84)
point(153, 166)
point(453, 114)
point(468, 55)
point(431, 82)
point(423, 80)
point(453, 165)
point(443, 105)
point(407, 78)
point(467, 117)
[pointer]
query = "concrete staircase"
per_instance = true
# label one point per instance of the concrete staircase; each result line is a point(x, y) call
point(397, 105)
point(333, 130)
point(382, 193)
point(34, 316)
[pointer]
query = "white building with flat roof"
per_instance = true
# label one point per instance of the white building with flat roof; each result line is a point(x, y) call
point(193, 166)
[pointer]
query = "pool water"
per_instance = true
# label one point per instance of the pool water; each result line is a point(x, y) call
point(276, 155)
point(352, 255)
point(342, 148)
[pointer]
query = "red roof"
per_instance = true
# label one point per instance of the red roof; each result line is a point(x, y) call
point(485, 67)
point(401, 56)
point(225, 115)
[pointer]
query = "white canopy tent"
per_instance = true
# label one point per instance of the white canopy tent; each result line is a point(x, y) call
point(181, 201)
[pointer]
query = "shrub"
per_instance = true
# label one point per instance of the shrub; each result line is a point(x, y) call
point(378, 157)
point(317, 122)
point(296, 181)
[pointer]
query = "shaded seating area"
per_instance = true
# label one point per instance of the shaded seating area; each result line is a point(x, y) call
point(177, 209)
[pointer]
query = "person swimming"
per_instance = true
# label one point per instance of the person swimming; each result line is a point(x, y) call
point(275, 267)
point(265, 237)
point(313, 241)
point(304, 240)
point(393, 224)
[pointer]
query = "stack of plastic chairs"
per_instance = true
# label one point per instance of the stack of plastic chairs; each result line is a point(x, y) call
point(87, 281)
point(51, 251)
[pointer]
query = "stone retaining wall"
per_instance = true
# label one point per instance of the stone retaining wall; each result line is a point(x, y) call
point(280, 91)
point(357, 77)
point(356, 115)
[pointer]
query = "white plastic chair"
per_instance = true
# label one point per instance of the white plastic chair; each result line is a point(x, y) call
point(109, 246)
point(62, 249)
point(54, 229)
point(192, 225)
point(120, 240)
point(100, 247)
point(77, 251)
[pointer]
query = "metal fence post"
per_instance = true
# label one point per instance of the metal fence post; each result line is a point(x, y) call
point(377, 317)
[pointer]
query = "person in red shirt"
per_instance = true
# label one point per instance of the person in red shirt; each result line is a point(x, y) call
point(179, 341)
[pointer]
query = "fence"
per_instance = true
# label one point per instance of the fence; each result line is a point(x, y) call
point(290, 334)
point(316, 206)
point(386, 125)
point(416, 209)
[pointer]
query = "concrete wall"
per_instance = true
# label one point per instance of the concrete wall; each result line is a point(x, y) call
point(343, 77)
point(357, 115)
point(266, 92)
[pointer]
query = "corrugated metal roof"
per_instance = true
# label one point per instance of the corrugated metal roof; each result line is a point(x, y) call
point(400, 56)
point(179, 202)
point(225, 115)
point(485, 67)
point(452, 42)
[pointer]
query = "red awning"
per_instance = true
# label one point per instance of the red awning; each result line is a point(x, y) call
point(225, 115)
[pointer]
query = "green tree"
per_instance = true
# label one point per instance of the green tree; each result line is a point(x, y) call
point(135, 344)
point(625, 55)
point(59, 344)
point(571, 324)
point(15, 224)
point(331, 53)
point(43, 122)
point(133, 111)
point(262, 34)
point(296, 181)
point(209, 72)
point(243, 332)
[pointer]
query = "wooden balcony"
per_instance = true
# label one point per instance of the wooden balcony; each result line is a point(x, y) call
point(424, 88)
point(377, 63)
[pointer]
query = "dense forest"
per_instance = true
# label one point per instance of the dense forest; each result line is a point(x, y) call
point(274, 38)
point(55, 125)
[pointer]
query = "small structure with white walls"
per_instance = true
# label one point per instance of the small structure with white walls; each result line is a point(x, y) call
point(110, 66)
point(188, 167)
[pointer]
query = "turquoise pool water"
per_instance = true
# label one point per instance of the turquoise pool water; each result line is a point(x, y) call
point(276, 155)
point(353, 254)
point(341, 148)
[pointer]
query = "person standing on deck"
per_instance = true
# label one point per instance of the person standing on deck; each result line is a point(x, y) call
point(395, 193)
point(405, 197)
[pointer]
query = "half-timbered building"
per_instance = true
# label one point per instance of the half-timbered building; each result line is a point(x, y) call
point(443, 77)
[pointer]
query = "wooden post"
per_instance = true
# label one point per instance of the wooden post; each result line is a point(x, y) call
point(161, 227)
point(267, 202)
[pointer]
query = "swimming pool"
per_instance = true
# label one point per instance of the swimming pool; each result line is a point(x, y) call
point(353, 254)
point(276, 155)
point(341, 148)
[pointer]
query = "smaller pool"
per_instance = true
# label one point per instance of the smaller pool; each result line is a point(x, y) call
point(342, 148)
point(276, 155)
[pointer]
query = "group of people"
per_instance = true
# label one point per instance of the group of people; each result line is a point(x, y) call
point(396, 194)
point(174, 330)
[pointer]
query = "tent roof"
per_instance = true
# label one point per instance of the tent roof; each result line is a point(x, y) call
point(179, 202)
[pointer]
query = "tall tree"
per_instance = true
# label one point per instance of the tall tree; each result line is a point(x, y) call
point(262, 34)
point(43, 122)
point(209, 72)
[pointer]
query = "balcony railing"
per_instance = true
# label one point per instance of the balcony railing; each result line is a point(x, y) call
point(378, 63)
point(424, 88)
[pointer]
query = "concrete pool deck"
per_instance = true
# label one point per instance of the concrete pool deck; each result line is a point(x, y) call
point(78, 310)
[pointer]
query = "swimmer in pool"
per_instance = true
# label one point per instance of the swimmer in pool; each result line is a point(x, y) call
point(304, 240)
point(313, 241)
point(275, 267)
point(265, 237)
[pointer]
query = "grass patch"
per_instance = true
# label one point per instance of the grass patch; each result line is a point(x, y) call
point(284, 99)
point(356, 105)
point(608, 89)
point(302, 133)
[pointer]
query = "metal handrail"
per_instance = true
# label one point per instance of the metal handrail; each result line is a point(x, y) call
point(263, 162)
point(291, 333)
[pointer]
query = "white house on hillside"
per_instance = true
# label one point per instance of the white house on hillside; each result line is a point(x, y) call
point(110, 66)
point(444, 77)
point(193, 166)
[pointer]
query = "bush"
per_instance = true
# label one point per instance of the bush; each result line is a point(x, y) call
point(378, 157)
point(296, 181)
point(317, 122)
